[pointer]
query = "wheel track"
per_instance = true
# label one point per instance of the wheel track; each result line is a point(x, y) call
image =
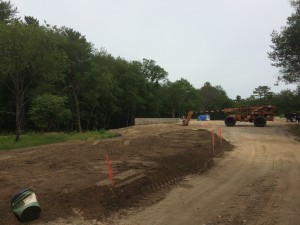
point(265, 178)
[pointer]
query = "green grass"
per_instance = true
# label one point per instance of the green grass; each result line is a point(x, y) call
point(36, 139)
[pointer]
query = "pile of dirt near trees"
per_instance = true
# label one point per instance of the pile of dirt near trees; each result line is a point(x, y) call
point(145, 161)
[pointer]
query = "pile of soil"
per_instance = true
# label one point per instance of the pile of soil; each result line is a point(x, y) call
point(72, 178)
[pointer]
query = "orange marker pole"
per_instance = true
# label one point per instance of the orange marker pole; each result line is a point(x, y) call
point(213, 141)
point(221, 136)
point(109, 168)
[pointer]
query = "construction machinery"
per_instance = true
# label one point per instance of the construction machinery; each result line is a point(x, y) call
point(186, 121)
point(259, 115)
point(294, 116)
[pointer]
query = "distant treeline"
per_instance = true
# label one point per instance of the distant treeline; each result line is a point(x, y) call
point(53, 79)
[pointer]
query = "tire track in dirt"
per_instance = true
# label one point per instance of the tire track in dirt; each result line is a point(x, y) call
point(257, 183)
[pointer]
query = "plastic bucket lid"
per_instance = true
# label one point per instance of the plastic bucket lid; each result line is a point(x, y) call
point(20, 195)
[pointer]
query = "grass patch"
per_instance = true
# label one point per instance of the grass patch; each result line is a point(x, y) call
point(36, 139)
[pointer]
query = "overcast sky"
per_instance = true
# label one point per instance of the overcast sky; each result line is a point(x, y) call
point(223, 42)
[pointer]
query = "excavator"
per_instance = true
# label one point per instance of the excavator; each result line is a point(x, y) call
point(186, 121)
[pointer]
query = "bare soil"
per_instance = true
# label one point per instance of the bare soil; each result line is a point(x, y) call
point(256, 184)
point(71, 179)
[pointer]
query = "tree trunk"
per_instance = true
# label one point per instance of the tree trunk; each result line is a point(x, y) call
point(173, 113)
point(18, 116)
point(18, 123)
point(108, 121)
point(77, 111)
point(89, 121)
point(128, 117)
point(133, 116)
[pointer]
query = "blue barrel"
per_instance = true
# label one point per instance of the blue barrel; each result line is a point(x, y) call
point(201, 118)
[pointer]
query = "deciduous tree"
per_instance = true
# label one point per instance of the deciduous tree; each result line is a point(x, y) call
point(263, 94)
point(213, 97)
point(79, 55)
point(7, 12)
point(180, 97)
point(286, 48)
point(49, 111)
point(29, 55)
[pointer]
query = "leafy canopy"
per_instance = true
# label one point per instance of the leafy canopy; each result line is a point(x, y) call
point(47, 111)
point(286, 48)
point(7, 12)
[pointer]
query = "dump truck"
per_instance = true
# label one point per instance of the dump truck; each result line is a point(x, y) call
point(259, 115)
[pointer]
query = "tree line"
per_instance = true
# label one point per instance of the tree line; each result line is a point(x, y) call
point(53, 79)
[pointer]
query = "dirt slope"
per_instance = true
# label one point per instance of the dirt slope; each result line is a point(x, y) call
point(71, 179)
point(257, 183)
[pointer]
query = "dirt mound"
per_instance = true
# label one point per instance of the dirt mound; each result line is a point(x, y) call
point(72, 178)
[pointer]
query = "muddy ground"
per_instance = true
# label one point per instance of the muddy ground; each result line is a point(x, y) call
point(72, 178)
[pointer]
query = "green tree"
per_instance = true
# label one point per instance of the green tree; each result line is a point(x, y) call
point(263, 94)
point(153, 72)
point(180, 97)
point(31, 21)
point(29, 55)
point(156, 77)
point(7, 12)
point(284, 101)
point(110, 107)
point(96, 87)
point(251, 101)
point(49, 111)
point(287, 101)
point(79, 56)
point(286, 48)
point(214, 98)
point(238, 99)
point(133, 86)
point(7, 109)
point(102, 92)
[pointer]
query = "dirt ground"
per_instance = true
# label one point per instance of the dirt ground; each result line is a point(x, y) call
point(258, 183)
point(71, 180)
point(162, 174)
